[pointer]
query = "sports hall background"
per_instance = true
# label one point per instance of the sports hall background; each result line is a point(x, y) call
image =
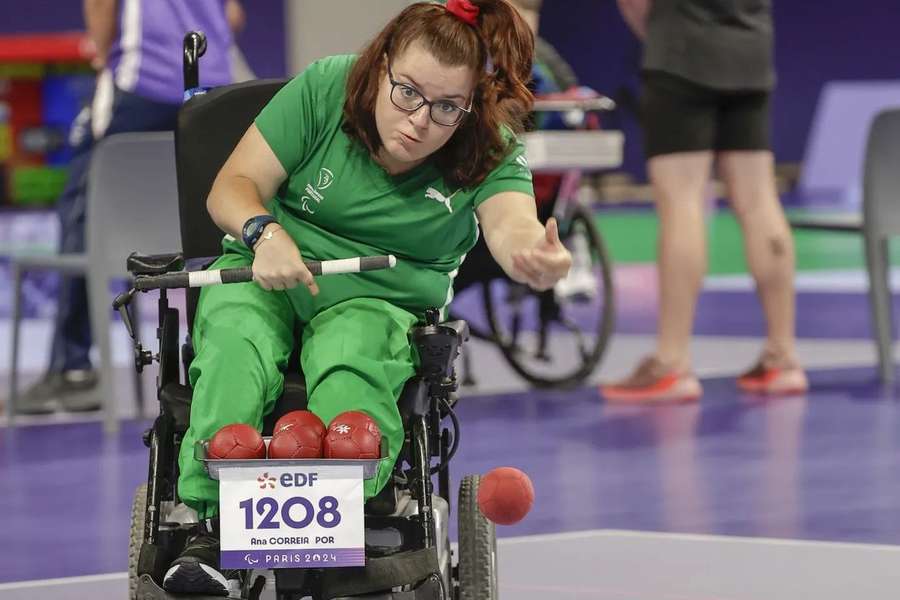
point(736, 497)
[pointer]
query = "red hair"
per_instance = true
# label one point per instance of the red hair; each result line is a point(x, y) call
point(501, 40)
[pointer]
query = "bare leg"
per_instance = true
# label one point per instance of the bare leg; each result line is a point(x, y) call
point(679, 185)
point(768, 244)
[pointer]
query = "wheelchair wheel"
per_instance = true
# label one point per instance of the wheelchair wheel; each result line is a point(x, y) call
point(557, 338)
point(477, 546)
point(136, 540)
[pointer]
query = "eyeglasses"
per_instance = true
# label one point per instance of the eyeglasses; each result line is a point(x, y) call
point(409, 99)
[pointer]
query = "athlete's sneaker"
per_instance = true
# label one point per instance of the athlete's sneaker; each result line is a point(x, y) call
point(69, 390)
point(767, 377)
point(197, 571)
point(653, 382)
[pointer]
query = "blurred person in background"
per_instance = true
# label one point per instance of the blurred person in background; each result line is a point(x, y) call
point(707, 76)
point(550, 71)
point(138, 57)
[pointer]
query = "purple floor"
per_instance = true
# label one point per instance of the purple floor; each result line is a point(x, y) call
point(737, 313)
point(842, 315)
point(821, 467)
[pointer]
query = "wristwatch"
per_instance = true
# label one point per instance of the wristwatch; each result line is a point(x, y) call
point(253, 229)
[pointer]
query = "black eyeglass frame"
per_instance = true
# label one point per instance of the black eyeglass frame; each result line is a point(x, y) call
point(431, 103)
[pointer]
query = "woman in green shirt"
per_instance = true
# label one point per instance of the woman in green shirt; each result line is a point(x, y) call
point(405, 149)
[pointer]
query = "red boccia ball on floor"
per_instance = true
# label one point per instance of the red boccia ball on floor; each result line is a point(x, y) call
point(353, 434)
point(236, 441)
point(505, 495)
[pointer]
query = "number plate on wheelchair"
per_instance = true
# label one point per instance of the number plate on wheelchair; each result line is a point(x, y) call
point(291, 517)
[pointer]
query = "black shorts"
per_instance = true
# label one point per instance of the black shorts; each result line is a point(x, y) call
point(678, 115)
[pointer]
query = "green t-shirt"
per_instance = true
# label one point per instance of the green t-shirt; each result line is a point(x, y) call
point(338, 203)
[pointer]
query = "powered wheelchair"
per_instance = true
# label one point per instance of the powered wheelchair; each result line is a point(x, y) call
point(407, 545)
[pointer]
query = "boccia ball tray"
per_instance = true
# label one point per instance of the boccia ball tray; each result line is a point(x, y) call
point(212, 465)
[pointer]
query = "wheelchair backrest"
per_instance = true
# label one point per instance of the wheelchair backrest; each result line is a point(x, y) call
point(209, 127)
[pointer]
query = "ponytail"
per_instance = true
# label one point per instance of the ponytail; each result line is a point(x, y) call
point(510, 45)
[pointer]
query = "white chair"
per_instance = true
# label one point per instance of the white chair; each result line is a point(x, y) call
point(881, 222)
point(132, 205)
point(833, 159)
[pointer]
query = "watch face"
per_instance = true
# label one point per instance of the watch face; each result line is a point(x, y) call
point(251, 228)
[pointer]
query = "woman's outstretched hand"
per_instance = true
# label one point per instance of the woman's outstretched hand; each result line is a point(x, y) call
point(545, 263)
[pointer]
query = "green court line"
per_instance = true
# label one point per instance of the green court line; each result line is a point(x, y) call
point(631, 238)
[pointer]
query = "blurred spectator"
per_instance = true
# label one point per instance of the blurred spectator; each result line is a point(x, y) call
point(707, 77)
point(139, 87)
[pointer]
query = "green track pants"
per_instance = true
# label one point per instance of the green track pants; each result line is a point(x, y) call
point(355, 356)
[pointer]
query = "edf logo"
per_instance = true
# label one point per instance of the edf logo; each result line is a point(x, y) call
point(266, 481)
point(298, 479)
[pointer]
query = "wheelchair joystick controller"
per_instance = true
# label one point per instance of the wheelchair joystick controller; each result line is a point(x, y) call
point(142, 357)
point(121, 305)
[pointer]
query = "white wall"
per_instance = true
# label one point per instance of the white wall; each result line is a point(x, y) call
point(317, 28)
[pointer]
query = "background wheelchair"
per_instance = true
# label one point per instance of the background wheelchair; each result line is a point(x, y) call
point(554, 338)
point(408, 552)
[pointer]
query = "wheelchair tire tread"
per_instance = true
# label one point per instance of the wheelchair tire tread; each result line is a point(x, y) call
point(136, 540)
point(477, 546)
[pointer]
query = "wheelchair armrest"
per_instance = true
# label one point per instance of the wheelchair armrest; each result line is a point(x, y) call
point(460, 327)
point(438, 346)
point(154, 264)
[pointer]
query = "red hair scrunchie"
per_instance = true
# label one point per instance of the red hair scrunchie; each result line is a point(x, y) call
point(464, 10)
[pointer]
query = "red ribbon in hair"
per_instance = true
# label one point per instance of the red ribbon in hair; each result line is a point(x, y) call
point(464, 10)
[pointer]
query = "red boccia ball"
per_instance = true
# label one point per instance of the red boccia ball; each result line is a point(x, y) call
point(295, 417)
point(236, 441)
point(505, 495)
point(297, 440)
point(352, 434)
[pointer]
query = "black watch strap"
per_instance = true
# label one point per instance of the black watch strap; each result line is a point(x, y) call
point(253, 229)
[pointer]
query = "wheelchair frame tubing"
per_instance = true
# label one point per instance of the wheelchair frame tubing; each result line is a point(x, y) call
point(162, 437)
point(444, 473)
point(423, 485)
point(161, 440)
point(440, 446)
